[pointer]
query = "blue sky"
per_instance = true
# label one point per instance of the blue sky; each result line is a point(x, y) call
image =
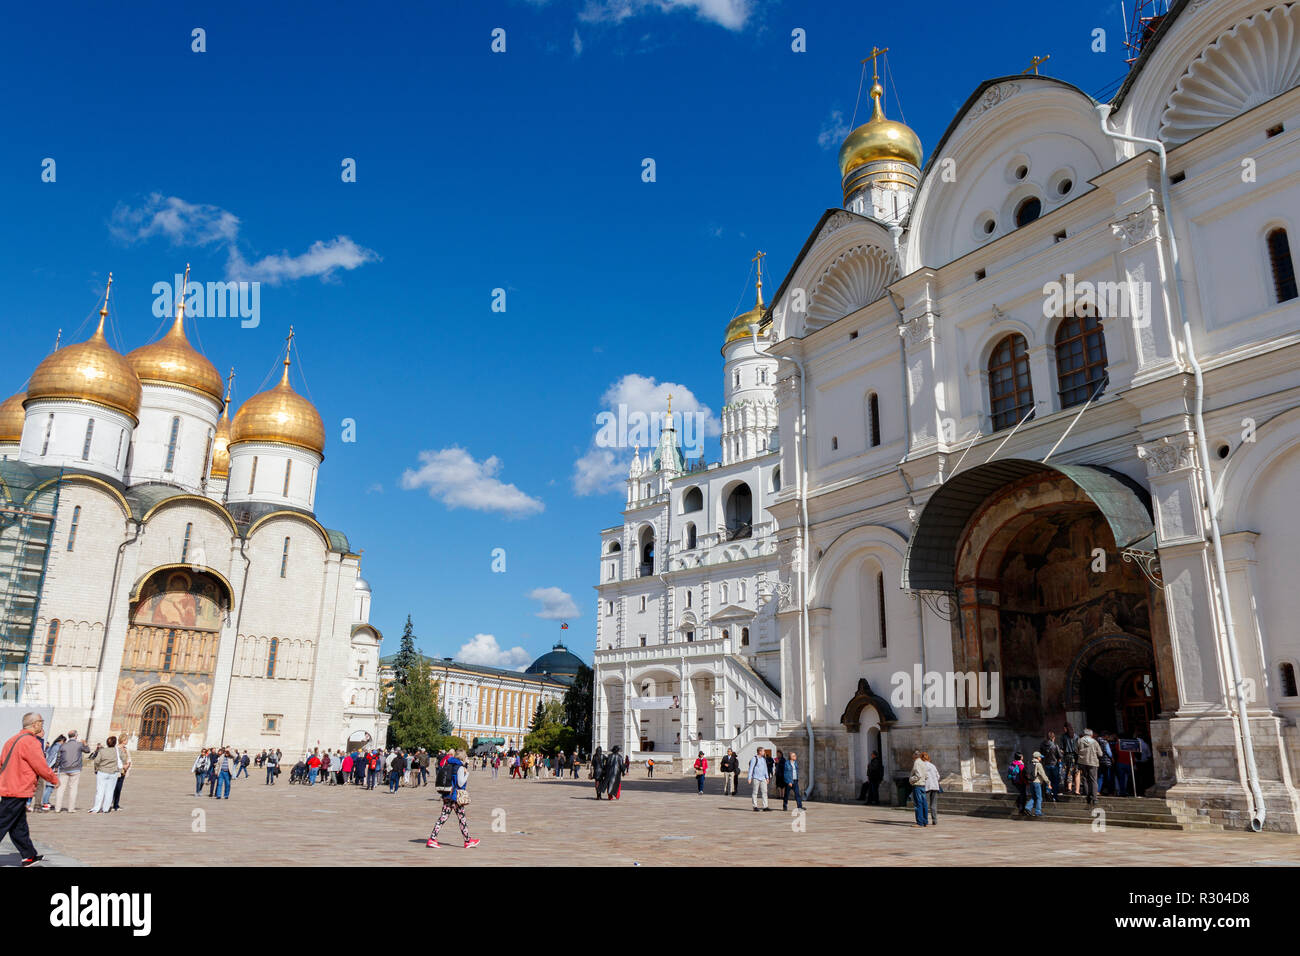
point(475, 171)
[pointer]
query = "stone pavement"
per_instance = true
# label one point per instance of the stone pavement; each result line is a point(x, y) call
point(548, 822)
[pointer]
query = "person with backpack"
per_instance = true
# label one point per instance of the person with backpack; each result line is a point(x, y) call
point(395, 771)
point(1052, 756)
point(242, 761)
point(701, 769)
point(452, 780)
point(650, 767)
point(1070, 760)
point(1016, 777)
point(272, 768)
point(917, 781)
point(22, 762)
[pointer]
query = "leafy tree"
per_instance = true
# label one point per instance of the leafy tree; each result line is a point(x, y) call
point(549, 735)
point(578, 707)
point(415, 710)
point(449, 742)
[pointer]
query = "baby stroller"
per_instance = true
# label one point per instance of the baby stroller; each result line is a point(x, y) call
point(299, 773)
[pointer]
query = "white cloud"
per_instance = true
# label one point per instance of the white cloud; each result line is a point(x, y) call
point(557, 605)
point(577, 43)
point(834, 130)
point(483, 649)
point(453, 477)
point(603, 469)
point(731, 14)
point(200, 224)
point(321, 259)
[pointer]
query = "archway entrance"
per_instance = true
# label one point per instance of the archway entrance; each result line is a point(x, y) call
point(1031, 558)
point(153, 728)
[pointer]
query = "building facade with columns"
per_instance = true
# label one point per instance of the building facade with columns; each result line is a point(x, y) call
point(687, 655)
point(163, 575)
point(1039, 399)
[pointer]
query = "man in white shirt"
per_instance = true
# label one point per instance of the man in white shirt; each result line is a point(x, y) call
point(758, 779)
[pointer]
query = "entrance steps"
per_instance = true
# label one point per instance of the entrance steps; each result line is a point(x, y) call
point(1151, 813)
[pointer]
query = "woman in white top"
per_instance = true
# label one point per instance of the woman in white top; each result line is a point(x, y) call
point(931, 788)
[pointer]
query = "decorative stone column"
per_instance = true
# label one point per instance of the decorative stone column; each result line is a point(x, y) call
point(1148, 298)
point(921, 350)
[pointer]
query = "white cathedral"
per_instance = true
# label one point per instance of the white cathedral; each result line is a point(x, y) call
point(163, 575)
point(1038, 408)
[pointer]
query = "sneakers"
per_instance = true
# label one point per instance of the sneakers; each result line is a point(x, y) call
point(31, 860)
point(470, 843)
point(433, 844)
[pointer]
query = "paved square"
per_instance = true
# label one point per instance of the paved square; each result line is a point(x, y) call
point(557, 822)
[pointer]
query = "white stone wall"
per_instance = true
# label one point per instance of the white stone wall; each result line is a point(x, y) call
point(110, 437)
point(267, 484)
point(197, 414)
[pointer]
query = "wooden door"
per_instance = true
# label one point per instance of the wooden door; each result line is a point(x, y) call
point(153, 728)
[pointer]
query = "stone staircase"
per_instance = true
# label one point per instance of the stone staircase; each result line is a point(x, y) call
point(1140, 812)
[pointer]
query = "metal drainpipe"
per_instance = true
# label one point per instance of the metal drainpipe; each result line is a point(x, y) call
point(1207, 480)
point(907, 439)
point(239, 616)
point(108, 617)
point(801, 448)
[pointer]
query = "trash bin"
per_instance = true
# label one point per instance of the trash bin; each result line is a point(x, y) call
point(904, 790)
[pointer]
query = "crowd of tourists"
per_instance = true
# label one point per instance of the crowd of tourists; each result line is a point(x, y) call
point(1087, 765)
point(27, 759)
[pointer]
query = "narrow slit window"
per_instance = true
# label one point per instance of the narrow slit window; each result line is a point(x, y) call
point(880, 608)
point(284, 559)
point(185, 545)
point(49, 431)
point(169, 651)
point(72, 531)
point(271, 655)
point(51, 643)
point(1279, 255)
point(252, 476)
point(171, 443)
point(288, 470)
point(90, 433)
point(873, 419)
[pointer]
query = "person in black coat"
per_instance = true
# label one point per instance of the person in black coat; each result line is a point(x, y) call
point(611, 781)
point(871, 788)
point(598, 771)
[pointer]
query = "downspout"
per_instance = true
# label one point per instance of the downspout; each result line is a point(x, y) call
point(800, 449)
point(907, 441)
point(239, 616)
point(1207, 480)
point(108, 615)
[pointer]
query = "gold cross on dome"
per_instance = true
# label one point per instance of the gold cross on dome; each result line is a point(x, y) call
point(875, 52)
point(670, 403)
point(1033, 64)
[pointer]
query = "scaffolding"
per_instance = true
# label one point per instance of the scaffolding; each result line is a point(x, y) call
point(26, 530)
point(1141, 20)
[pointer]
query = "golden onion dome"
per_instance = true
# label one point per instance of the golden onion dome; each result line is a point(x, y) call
point(221, 440)
point(12, 418)
point(738, 328)
point(173, 361)
point(89, 371)
point(280, 415)
point(879, 138)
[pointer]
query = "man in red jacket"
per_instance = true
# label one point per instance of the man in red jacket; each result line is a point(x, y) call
point(22, 760)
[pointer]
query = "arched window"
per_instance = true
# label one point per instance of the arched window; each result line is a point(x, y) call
point(51, 642)
point(724, 591)
point(1028, 210)
point(693, 500)
point(740, 589)
point(614, 546)
point(744, 637)
point(1288, 678)
point(72, 531)
point(873, 420)
point(284, 559)
point(726, 635)
point(1080, 359)
point(288, 469)
point(1011, 394)
point(271, 655)
point(880, 609)
point(740, 513)
point(252, 475)
point(688, 597)
point(690, 536)
point(1279, 257)
point(185, 545)
point(169, 651)
point(90, 433)
point(171, 443)
point(776, 479)
point(647, 553)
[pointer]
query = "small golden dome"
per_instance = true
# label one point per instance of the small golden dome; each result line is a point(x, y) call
point(89, 371)
point(221, 440)
point(173, 361)
point(12, 418)
point(738, 328)
point(879, 138)
point(280, 415)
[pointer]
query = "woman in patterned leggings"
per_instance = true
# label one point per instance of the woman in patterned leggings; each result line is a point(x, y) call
point(453, 782)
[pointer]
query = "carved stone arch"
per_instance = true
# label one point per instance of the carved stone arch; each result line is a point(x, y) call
point(852, 280)
point(862, 698)
point(1258, 59)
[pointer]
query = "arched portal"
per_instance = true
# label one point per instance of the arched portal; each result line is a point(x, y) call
point(1047, 608)
point(169, 657)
